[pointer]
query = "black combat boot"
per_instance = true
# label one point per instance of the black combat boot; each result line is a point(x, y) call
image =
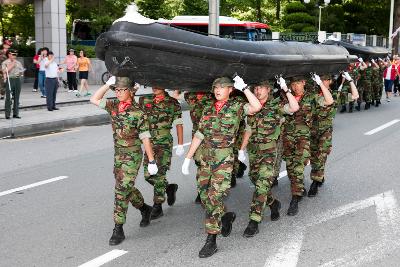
point(358, 108)
point(377, 103)
point(156, 212)
point(367, 106)
point(274, 182)
point(351, 107)
point(314, 189)
point(275, 207)
point(210, 247)
point(343, 109)
point(118, 235)
point(226, 221)
point(294, 206)
point(251, 229)
point(233, 180)
point(322, 182)
point(198, 199)
point(242, 168)
point(171, 193)
point(145, 210)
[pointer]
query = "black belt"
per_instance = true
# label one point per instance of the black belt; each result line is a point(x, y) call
point(50, 78)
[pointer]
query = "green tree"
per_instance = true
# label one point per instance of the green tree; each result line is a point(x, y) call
point(17, 19)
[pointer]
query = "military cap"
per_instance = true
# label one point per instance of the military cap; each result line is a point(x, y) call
point(223, 81)
point(297, 78)
point(266, 83)
point(123, 82)
point(326, 77)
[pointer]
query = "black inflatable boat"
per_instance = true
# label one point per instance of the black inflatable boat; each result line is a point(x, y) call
point(361, 51)
point(155, 54)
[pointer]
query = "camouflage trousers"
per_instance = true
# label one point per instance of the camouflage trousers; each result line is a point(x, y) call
point(261, 157)
point(296, 152)
point(377, 90)
point(162, 155)
point(126, 168)
point(321, 147)
point(365, 92)
point(213, 183)
point(278, 159)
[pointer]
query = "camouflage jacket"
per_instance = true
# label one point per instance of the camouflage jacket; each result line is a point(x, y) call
point(322, 116)
point(219, 130)
point(365, 76)
point(129, 127)
point(266, 124)
point(161, 117)
point(2, 59)
point(301, 121)
point(196, 104)
point(375, 76)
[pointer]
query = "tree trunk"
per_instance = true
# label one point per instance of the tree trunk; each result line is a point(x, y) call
point(258, 10)
point(278, 9)
point(396, 24)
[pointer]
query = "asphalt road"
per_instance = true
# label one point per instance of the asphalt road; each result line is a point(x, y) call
point(354, 221)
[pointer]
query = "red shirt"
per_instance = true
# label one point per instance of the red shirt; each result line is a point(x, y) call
point(36, 57)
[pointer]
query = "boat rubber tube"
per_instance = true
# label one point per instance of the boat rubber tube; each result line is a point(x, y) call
point(161, 55)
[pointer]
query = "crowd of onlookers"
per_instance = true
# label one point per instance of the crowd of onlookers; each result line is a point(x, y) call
point(46, 73)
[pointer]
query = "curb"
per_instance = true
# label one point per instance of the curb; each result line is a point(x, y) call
point(54, 126)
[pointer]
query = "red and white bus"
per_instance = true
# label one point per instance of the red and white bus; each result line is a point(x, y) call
point(228, 27)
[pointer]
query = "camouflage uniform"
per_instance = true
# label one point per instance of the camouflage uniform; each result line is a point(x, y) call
point(129, 128)
point(218, 131)
point(364, 86)
point(197, 101)
point(321, 138)
point(296, 140)
point(2, 84)
point(265, 127)
point(377, 83)
point(239, 139)
point(161, 115)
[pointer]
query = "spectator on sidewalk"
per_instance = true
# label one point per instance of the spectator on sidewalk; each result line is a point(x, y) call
point(84, 66)
point(6, 45)
point(37, 67)
point(71, 61)
point(51, 83)
point(12, 72)
point(42, 71)
point(389, 74)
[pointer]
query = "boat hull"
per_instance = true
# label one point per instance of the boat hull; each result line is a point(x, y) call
point(366, 52)
point(160, 55)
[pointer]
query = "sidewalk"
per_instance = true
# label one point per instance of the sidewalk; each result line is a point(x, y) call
point(35, 118)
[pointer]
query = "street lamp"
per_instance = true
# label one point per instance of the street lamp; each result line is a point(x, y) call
point(326, 2)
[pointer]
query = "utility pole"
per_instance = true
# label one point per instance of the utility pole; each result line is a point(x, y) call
point(391, 26)
point(213, 16)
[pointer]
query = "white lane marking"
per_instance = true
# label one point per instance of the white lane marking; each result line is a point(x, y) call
point(288, 254)
point(380, 128)
point(32, 185)
point(388, 217)
point(109, 256)
point(187, 144)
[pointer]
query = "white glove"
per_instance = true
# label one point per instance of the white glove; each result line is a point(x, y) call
point(373, 61)
point(340, 88)
point(360, 59)
point(239, 83)
point(152, 168)
point(380, 59)
point(316, 79)
point(347, 76)
point(180, 150)
point(185, 166)
point(282, 84)
point(242, 156)
point(111, 80)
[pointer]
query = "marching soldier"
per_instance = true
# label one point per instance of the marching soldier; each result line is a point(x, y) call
point(321, 132)
point(196, 102)
point(364, 85)
point(216, 135)
point(130, 129)
point(163, 112)
point(296, 135)
point(263, 131)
